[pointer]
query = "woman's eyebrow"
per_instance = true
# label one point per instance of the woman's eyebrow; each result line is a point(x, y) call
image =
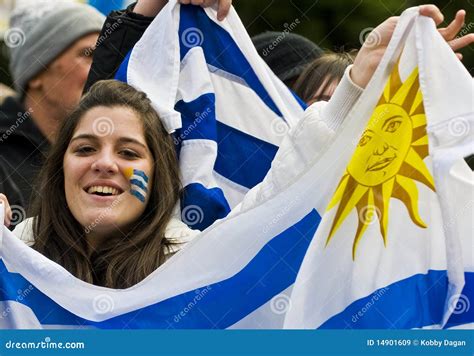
point(131, 140)
point(84, 136)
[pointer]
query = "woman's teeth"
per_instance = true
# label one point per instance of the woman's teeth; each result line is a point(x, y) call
point(102, 190)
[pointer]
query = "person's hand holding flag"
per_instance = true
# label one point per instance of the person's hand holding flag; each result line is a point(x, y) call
point(376, 43)
point(7, 210)
point(153, 7)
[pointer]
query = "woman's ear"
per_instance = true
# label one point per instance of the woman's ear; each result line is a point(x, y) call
point(36, 83)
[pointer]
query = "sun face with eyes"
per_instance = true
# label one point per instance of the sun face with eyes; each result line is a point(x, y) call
point(387, 160)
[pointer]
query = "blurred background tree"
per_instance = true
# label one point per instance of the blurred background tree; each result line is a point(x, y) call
point(332, 24)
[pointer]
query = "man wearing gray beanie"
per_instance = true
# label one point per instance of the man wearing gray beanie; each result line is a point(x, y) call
point(51, 45)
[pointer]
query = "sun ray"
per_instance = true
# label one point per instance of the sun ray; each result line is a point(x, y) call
point(405, 91)
point(422, 151)
point(418, 133)
point(365, 214)
point(417, 107)
point(339, 192)
point(395, 82)
point(382, 194)
point(423, 141)
point(415, 168)
point(407, 192)
point(418, 120)
point(350, 198)
point(413, 91)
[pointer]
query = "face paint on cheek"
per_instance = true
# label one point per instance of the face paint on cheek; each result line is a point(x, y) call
point(138, 183)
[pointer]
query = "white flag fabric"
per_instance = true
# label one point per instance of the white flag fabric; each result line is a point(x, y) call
point(393, 248)
point(227, 111)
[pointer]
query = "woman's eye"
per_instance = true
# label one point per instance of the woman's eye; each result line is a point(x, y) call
point(393, 126)
point(129, 154)
point(84, 150)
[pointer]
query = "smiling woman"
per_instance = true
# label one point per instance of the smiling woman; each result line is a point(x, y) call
point(115, 177)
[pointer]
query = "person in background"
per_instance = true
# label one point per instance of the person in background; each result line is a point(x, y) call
point(51, 45)
point(129, 25)
point(287, 54)
point(321, 77)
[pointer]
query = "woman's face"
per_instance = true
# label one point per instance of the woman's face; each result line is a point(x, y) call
point(107, 171)
point(324, 92)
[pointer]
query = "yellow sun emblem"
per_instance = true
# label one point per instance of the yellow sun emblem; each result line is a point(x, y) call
point(386, 161)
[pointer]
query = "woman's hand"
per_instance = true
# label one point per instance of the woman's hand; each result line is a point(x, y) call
point(8, 210)
point(376, 43)
point(151, 8)
point(223, 6)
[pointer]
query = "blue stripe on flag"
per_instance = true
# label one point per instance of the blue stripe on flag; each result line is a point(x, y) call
point(106, 6)
point(219, 49)
point(138, 195)
point(248, 164)
point(198, 118)
point(141, 174)
point(121, 73)
point(300, 101)
point(464, 312)
point(211, 201)
point(413, 302)
point(139, 184)
point(270, 272)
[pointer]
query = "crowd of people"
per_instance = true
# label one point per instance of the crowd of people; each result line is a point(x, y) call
point(50, 155)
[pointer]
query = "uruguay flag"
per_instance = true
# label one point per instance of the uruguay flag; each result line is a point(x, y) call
point(227, 111)
point(394, 247)
point(372, 232)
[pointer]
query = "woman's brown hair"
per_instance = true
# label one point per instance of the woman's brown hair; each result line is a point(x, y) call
point(321, 73)
point(122, 261)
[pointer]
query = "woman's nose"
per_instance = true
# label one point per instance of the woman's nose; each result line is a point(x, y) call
point(105, 163)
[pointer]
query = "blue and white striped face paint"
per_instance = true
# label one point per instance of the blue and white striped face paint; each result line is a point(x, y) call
point(138, 183)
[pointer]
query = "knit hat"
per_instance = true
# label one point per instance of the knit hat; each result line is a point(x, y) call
point(41, 31)
point(287, 54)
